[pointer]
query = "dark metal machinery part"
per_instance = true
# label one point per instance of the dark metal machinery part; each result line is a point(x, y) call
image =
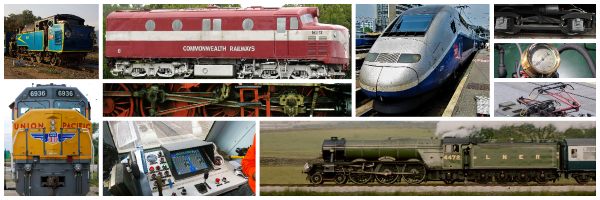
point(291, 102)
point(568, 18)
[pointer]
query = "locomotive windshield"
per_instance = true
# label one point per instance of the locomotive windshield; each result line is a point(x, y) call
point(78, 106)
point(25, 106)
point(410, 23)
point(306, 18)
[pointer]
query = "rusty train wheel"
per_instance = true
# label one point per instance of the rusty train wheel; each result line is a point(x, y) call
point(117, 106)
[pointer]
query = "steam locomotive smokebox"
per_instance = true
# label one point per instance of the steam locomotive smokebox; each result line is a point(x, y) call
point(189, 158)
point(18, 63)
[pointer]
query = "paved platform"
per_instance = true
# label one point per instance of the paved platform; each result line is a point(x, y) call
point(584, 93)
point(475, 82)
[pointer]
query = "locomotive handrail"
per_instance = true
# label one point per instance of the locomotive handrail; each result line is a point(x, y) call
point(27, 138)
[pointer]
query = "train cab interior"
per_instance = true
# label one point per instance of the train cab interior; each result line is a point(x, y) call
point(176, 158)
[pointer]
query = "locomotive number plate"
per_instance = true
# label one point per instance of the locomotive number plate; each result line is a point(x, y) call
point(452, 157)
point(37, 93)
point(64, 93)
point(317, 32)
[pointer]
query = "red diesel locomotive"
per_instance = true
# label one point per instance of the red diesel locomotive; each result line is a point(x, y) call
point(255, 42)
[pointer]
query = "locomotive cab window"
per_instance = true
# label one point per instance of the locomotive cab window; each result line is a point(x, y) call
point(573, 153)
point(448, 148)
point(456, 148)
point(25, 106)
point(293, 23)
point(281, 25)
point(411, 23)
point(78, 106)
point(306, 18)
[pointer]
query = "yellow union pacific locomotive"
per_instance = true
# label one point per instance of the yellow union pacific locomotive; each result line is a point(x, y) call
point(52, 141)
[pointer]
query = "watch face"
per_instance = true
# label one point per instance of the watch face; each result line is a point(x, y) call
point(543, 58)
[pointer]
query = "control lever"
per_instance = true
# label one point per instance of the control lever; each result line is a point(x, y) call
point(159, 185)
point(205, 178)
point(183, 191)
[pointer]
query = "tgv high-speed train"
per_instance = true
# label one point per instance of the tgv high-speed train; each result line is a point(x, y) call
point(417, 53)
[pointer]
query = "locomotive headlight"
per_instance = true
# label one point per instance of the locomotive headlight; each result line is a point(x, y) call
point(53, 128)
point(92, 35)
point(68, 34)
point(371, 57)
point(77, 167)
point(52, 122)
point(307, 165)
point(409, 58)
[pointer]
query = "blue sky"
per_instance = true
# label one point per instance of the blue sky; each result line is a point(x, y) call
point(89, 12)
point(476, 14)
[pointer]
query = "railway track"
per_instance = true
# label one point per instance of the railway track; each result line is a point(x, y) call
point(90, 72)
point(421, 185)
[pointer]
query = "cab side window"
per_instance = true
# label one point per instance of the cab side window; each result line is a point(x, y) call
point(573, 153)
point(456, 148)
point(293, 23)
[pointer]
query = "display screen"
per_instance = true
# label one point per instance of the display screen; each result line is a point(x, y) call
point(188, 161)
point(65, 93)
point(37, 93)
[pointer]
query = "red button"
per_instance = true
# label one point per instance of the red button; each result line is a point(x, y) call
point(151, 168)
point(157, 167)
point(217, 180)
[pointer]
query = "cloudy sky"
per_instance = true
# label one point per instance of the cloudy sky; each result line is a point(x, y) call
point(476, 14)
point(92, 93)
point(89, 12)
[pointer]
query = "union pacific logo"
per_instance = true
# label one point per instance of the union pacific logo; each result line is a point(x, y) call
point(52, 137)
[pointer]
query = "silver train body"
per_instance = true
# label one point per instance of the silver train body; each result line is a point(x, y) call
point(418, 52)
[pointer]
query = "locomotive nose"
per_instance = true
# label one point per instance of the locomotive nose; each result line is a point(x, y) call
point(389, 82)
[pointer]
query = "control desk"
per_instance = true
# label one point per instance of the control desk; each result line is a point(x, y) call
point(180, 170)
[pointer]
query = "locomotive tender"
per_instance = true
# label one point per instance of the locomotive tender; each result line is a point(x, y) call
point(256, 42)
point(452, 159)
point(60, 40)
point(52, 141)
point(416, 54)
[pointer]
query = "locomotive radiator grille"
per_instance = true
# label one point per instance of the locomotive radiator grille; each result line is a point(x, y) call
point(387, 58)
point(312, 45)
point(317, 47)
point(322, 43)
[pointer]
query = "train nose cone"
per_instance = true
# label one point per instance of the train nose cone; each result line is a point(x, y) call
point(383, 83)
point(396, 83)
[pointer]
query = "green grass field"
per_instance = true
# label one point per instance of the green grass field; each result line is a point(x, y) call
point(306, 144)
point(282, 175)
point(545, 193)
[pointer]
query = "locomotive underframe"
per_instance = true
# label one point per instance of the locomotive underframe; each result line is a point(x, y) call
point(567, 23)
point(231, 97)
point(35, 177)
point(225, 68)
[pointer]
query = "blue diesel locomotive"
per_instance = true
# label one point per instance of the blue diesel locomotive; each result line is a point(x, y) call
point(60, 40)
point(416, 54)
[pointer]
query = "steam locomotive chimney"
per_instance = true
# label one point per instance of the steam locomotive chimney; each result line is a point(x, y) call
point(334, 138)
